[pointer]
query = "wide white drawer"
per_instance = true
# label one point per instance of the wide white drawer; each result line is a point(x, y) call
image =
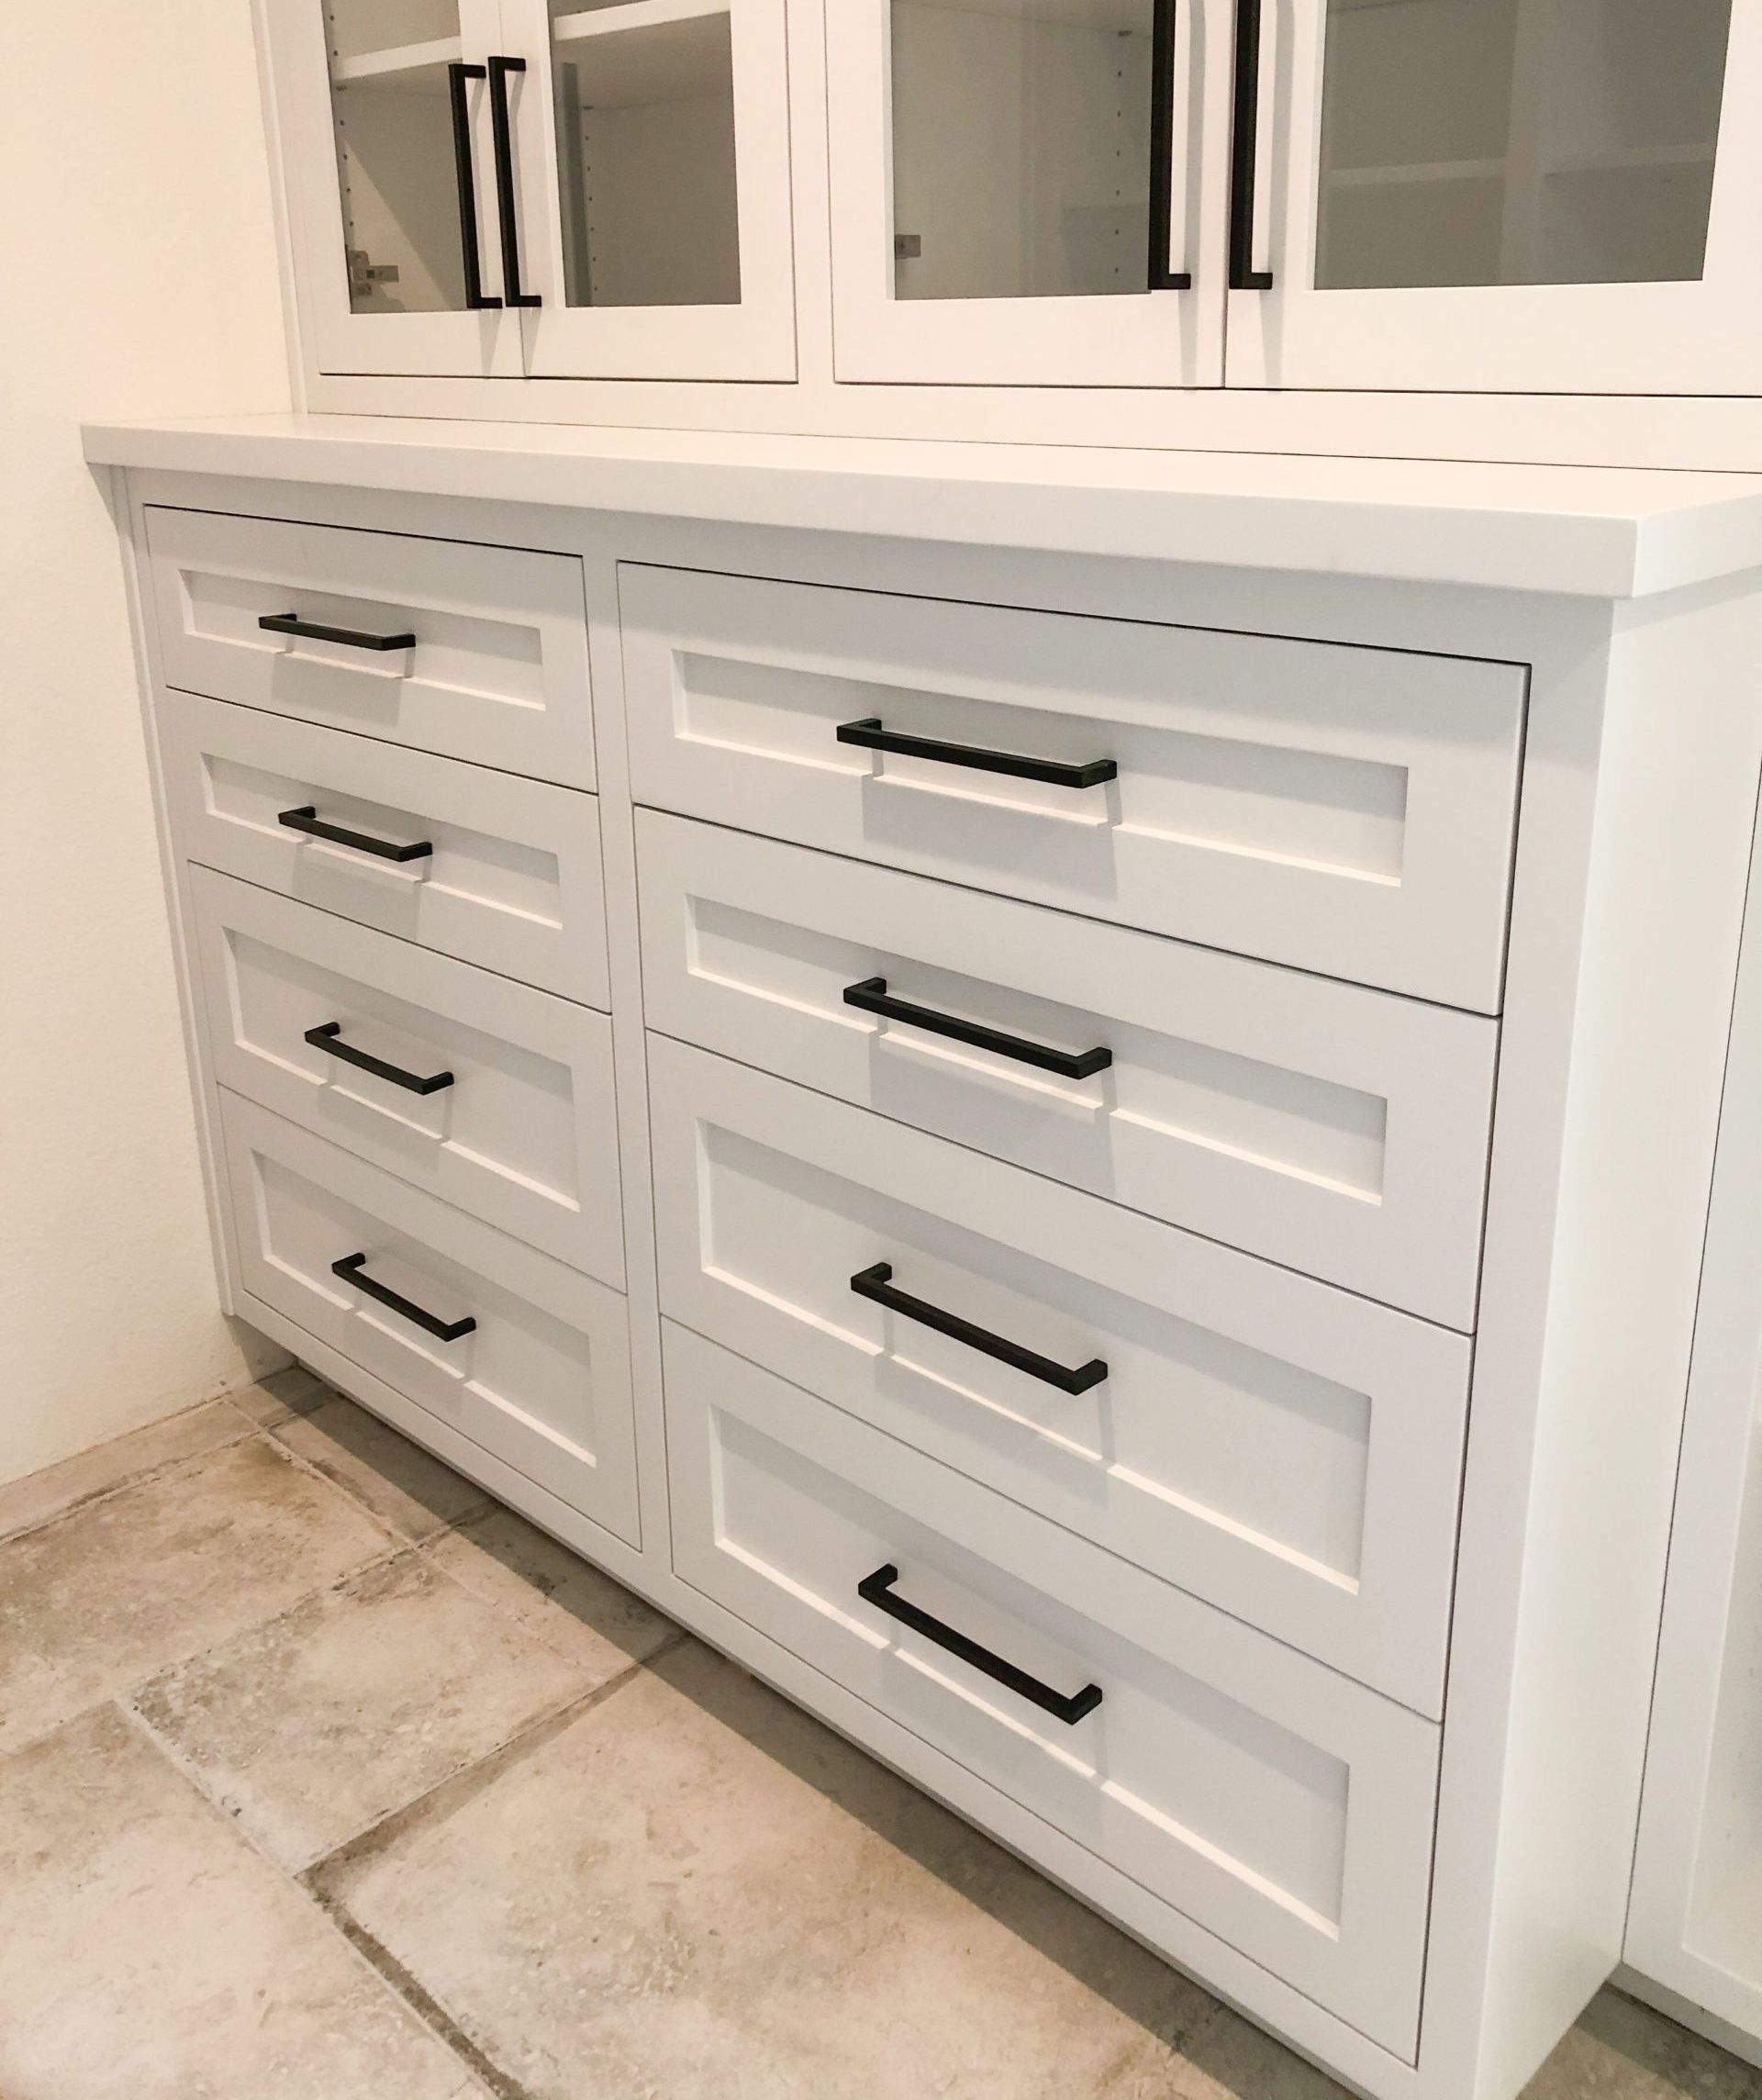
point(493, 1096)
point(495, 666)
point(524, 1355)
point(478, 863)
point(1284, 1808)
point(1340, 1131)
point(1286, 1450)
point(1347, 809)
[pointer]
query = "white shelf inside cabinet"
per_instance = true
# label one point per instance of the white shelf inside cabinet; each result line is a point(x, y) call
point(647, 52)
point(1415, 171)
point(414, 69)
point(1126, 16)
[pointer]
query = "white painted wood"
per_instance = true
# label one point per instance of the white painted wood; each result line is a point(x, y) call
point(1287, 1809)
point(1347, 811)
point(499, 674)
point(1340, 1131)
point(513, 881)
point(543, 1383)
point(523, 1137)
point(1289, 1452)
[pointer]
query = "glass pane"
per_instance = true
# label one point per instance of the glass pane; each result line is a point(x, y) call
point(645, 147)
point(1518, 141)
point(1020, 148)
point(400, 197)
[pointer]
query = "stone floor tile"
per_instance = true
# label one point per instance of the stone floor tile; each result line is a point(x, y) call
point(118, 1589)
point(1621, 2051)
point(282, 1395)
point(585, 1615)
point(313, 1726)
point(147, 1954)
point(404, 1486)
point(1227, 2058)
point(694, 1891)
point(42, 1497)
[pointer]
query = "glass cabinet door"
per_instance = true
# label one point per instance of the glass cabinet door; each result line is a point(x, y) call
point(1497, 194)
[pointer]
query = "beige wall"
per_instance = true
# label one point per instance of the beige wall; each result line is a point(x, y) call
point(137, 277)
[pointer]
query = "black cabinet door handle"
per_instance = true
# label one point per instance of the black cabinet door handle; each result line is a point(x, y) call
point(877, 1589)
point(465, 175)
point(1244, 153)
point(330, 1040)
point(876, 1284)
point(872, 996)
point(872, 736)
point(350, 637)
point(354, 1268)
point(308, 822)
point(501, 132)
point(1162, 150)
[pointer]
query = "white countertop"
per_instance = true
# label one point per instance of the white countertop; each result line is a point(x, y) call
point(1584, 531)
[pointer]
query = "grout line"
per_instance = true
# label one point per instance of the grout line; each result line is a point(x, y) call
point(154, 1472)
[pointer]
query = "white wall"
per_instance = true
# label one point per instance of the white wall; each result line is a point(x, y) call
point(137, 277)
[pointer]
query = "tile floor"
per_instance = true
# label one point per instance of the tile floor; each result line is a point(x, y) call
point(324, 1778)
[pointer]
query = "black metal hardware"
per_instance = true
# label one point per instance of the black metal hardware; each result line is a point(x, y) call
point(1244, 153)
point(877, 1589)
point(872, 736)
point(466, 176)
point(876, 1284)
point(329, 1039)
point(353, 1267)
point(501, 133)
point(871, 996)
point(1162, 150)
point(350, 637)
point(311, 825)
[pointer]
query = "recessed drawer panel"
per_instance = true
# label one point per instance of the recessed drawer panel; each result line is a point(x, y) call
point(527, 1356)
point(1290, 1452)
point(1346, 809)
point(1284, 1808)
point(494, 1096)
point(1340, 1131)
point(478, 653)
point(482, 865)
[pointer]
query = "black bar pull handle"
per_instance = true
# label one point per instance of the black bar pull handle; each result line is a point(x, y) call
point(350, 637)
point(871, 735)
point(466, 177)
point(871, 996)
point(329, 1039)
point(876, 1284)
point(1244, 153)
point(353, 1268)
point(308, 822)
point(1162, 151)
point(501, 132)
point(1070, 1708)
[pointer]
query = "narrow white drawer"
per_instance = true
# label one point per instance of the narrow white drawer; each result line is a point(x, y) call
point(1289, 1451)
point(477, 863)
point(1340, 1131)
point(1350, 810)
point(1283, 1807)
point(540, 1377)
point(495, 666)
point(496, 1097)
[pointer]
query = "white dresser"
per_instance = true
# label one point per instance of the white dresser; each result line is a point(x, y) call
point(1066, 1099)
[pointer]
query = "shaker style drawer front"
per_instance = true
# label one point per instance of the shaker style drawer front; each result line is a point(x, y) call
point(1288, 1451)
point(1282, 1807)
point(526, 1356)
point(1346, 809)
point(493, 1096)
point(477, 863)
point(473, 652)
point(1340, 1131)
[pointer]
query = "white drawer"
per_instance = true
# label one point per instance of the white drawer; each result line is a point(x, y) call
point(1340, 1131)
point(1284, 1808)
point(511, 878)
point(523, 1129)
point(541, 1380)
point(1347, 809)
point(1286, 1450)
point(496, 669)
